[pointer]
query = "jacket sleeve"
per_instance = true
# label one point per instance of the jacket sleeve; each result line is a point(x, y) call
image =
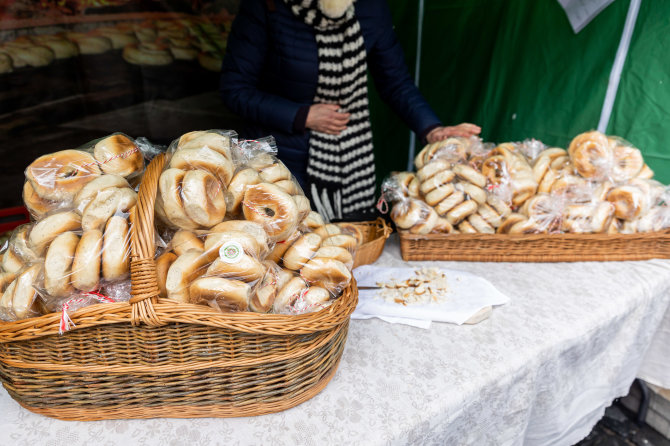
point(242, 67)
point(391, 76)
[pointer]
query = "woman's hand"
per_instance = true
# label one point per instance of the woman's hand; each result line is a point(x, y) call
point(326, 118)
point(465, 130)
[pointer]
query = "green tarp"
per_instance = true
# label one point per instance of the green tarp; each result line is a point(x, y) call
point(516, 68)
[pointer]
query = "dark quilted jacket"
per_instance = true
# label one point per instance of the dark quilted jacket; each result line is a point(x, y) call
point(270, 71)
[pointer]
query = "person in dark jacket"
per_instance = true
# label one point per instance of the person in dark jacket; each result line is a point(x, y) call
point(297, 70)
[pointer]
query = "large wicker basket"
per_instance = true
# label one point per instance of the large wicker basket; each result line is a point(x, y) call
point(535, 247)
point(160, 358)
point(375, 234)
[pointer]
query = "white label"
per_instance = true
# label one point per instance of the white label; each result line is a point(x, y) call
point(231, 252)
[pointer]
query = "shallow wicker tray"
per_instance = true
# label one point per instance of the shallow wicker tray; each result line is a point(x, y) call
point(535, 247)
point(160, 358)
point(375, 234)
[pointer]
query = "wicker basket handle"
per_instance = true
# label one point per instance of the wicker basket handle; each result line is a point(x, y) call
point(386, 228)
point(142, 265)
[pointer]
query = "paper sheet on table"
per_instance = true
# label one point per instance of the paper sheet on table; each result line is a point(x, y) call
point(467, 295)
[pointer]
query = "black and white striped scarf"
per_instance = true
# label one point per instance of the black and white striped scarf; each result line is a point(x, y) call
point(340, 168)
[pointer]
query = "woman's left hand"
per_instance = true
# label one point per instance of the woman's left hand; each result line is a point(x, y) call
point(464, 130)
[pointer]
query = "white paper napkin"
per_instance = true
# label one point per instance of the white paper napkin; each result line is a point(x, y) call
point(467, 295)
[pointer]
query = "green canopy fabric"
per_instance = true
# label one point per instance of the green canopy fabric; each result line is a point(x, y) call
point(516, 68)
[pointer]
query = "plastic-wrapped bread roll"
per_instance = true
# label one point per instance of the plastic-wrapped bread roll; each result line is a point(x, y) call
point(184, 240)
point(271, 207)
point(105, 205)
point(330, 274)
point(223, 294)
point(203, 198)
point(163, 264)
point(591, 155)
point(60, 176)
point(242, 267)
point(183, 271)
point(251, 245)
point(58, 265)
point(90, 191)
point(51, 227)
point(291, 291)
point(116, 249)
point(87, 260)
point(118, 155)
point(301, 251)
point(24, 295)
point(204, 158)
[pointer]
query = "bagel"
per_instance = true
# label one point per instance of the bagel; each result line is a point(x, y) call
point(548, 181)
point(495, 169)
point(466, 228)
point(184, 240)
point(264, 297)
point(163, 264)
point(437, 180)
point(89, 192)
point(525, 227)
point(250, 227)
point(499, 205)
point(87, 259)
point(60, 47)
point(342, 240)
point(282, 246)
point(20, 245)
point(490, 215)
point(449, 203)
point(212, 140)
point(116, 249)
point(58, 265)
point(204, 158)
point(628, 163)
point(481, 225)
point(328, 230)
point(28, 55)
point(601, 218)
point(105, 205)
point(303, 205)
point(24, 295)
point(60, 176)
point(6, 310)
point(11, 263)
point(540, 167)
point(354, 230)
point(259, 159)
point(560, 162)
point(646, 173)
point(403, 181)
point(442, 226)
point(453, 149)
point(118, 38)
point(238, 186)
point(462, 211)
point(571, 187)
point(301, 251)
point(314, 220)
point(51, 227)
point(118, 155)
point(337, 253)
point(406, 214)
point(314, 299)
point(288, 186)
point(473, 192)
point(288, 294)
point(427, 223)
point(37, 206)
point(276, 210)
point(183, 271)
point(629, 202)
point(466, 172)
point(220, 293)
point(90, 45)
point(510, 221)
point(146, 53)
point(203, 199)
point(245, 268)
point(591, 154)
point(433, 197)
point(170, 200)
point(274, 172)
point(330, 274)
point(250, 245)
point(145, 33)
point(431, 169)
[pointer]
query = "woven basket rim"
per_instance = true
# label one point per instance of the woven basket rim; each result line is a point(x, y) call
point(535, 237)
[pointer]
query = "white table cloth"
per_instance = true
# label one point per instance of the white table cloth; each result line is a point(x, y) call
point(655, 367)
point(539, 371)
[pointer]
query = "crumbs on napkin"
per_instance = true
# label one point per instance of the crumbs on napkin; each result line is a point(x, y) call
point(429, 285)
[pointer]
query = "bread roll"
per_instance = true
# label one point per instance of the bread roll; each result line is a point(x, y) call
point(204, 158)
point(118, 155)
point(106, 204)
point(184, 240)
point(90, 190)
point(61, 175)
point(87, 259)
point(330, 274)
point(163, 264)
point(116, 249)
point(50, 227)
point(58, 265)
point(23, 299)
point(246, 269)
point(203, 198)
point(301, 251)
point(188, 267)
point(226, 294)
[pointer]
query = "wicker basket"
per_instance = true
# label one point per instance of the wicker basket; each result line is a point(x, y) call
point(375, 234)
point(160, 358)
point(535, 247)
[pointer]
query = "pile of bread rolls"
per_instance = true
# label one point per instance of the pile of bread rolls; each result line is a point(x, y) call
point(601, 184)
point(79, 239)
point(242, 235)
point(159, 42)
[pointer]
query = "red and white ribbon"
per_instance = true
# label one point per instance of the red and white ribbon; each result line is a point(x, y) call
point(65, 320)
